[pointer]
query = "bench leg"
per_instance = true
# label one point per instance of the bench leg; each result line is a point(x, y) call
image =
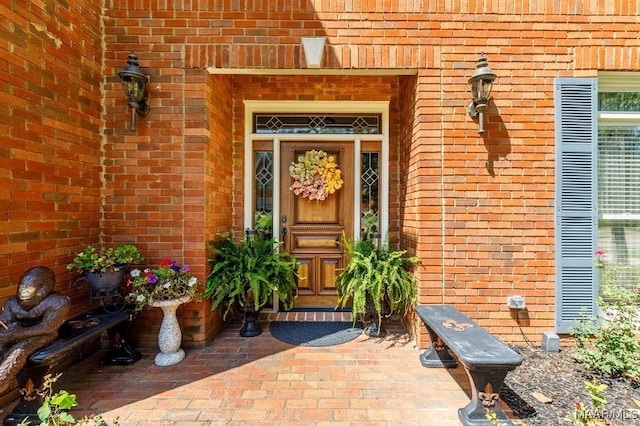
point(437, 355)
point(121, 352)
point(485, 390)
point(30, 379)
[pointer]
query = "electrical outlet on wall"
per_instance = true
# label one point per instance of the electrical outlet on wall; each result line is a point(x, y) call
point(516, 302)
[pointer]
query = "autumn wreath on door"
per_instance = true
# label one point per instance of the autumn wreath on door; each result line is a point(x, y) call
point(315, 176)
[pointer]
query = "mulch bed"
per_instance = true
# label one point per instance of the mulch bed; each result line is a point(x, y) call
point(559, 377)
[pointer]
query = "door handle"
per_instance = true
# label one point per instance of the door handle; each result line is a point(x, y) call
point(284, 231)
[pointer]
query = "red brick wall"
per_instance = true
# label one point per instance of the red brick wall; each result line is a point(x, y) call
point(171, 185)
point(219, 188)
point(478, 210)
point(498, 193)
point(50, 138)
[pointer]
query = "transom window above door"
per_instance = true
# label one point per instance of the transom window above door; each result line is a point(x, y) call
point(317, 124)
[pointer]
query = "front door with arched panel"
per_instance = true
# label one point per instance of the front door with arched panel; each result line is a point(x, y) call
point(312, 230)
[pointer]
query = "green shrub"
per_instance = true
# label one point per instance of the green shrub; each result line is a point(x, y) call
point(611, 343)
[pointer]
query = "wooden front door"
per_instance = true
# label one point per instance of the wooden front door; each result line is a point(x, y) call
point(312, 230)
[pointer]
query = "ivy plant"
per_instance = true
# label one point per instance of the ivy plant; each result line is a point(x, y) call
point(105, 260)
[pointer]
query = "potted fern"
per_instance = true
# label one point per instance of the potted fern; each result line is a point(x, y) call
point(247, 275)
point(376, 282)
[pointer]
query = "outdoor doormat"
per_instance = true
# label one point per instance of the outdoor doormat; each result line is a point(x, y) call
point(315, 333)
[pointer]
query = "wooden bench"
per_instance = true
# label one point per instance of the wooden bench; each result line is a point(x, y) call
point(485, 357)
point(77, 338)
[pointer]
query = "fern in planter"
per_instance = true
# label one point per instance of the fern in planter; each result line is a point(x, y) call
point(377, 282)
point(248, 274)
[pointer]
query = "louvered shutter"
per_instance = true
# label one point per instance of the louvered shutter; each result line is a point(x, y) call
point(576, 199)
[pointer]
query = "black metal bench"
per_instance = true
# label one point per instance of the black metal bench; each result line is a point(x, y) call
point(77, 338)
point(485, 357)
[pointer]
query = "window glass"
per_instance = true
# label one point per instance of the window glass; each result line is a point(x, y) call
point(263, 195)
point(619, 169)
point(619, 101)
point(317, 124)
point(370, 185)
point(619, 202)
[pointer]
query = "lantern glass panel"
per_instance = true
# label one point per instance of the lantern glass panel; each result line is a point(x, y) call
point(475, 86)
point(484, 89)
point(133, 88)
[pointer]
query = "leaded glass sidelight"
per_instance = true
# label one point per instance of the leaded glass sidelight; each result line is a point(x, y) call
point(370, 185)
point(263, 195)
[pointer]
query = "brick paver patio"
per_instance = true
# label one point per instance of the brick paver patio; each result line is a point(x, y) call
point(262, 381)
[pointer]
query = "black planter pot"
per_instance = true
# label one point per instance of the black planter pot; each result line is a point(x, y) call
point(250, 327)
point(372, 327)
point(104, 283)
point(372, 330)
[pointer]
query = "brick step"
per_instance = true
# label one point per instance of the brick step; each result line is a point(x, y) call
point(306, 316)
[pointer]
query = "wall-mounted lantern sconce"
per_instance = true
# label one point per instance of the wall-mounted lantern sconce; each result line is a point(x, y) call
point(481, 82)
point(134, 84)
point(313, 50)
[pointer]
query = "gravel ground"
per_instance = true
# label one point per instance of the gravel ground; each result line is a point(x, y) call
point(557, 376)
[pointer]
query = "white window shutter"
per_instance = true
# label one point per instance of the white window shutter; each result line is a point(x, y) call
point(576, 199)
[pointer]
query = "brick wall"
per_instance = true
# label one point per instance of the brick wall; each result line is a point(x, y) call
point(171, 186)
point(478, 210)
point(50, 138)
point(219, 172)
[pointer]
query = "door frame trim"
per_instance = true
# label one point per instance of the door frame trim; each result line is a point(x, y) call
point(276, 107)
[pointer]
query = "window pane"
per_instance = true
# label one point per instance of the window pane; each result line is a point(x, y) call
point(370, 184)
point(619, 170)
point(619, 101)
point(619, 202)
point(620, 242)
point(263, 196)
point(317, 124)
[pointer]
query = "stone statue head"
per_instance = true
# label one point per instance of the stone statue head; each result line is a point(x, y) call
point(34, 286)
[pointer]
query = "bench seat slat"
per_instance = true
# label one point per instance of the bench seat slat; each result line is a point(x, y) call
point(71, 339)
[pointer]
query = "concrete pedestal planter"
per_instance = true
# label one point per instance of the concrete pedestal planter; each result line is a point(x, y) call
point(170, 335)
